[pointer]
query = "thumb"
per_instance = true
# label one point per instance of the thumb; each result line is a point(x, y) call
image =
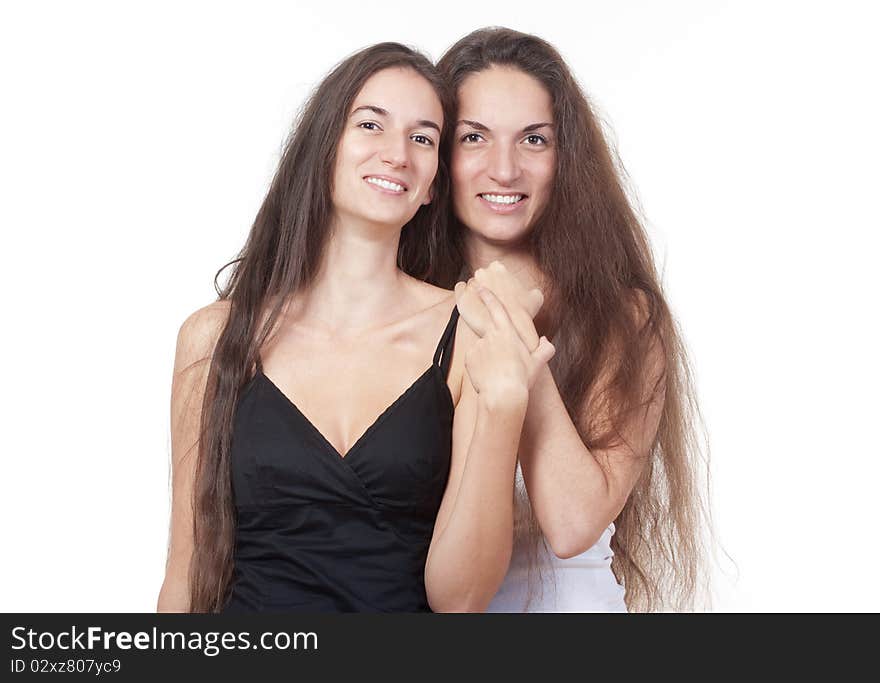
point(460, 288)
point(544, 352)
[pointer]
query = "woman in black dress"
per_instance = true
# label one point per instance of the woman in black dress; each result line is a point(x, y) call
point(318, 464)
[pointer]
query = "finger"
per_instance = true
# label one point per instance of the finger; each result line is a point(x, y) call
point(459, 290)
point(502, 290)
point(497, 312)
point(509, 289)
point(470, 286)
point(524, 326)
point(544, 352)
point(519, 316)
point(534, 299)
point(503, 285)
point(472, 310)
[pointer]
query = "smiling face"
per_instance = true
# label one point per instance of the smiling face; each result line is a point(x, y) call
point(387, 156)
point(503, 154)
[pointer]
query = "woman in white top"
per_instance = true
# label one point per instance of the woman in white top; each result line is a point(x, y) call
point(607, 493)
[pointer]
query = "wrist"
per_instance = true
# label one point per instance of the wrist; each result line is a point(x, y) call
point(543, 380)
point(510, 398)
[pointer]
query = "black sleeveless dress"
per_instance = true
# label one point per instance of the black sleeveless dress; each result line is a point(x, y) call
point(316, 532)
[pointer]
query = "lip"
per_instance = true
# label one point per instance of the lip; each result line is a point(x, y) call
point(390, 179)
point(503, 208)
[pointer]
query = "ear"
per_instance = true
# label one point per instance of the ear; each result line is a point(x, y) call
point(430, 196)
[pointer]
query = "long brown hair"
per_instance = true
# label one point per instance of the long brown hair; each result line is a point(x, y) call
point(597, 262)
point(281, 255)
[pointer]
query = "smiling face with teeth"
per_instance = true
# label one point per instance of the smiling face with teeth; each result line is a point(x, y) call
point(503, 154)
point(386, 159)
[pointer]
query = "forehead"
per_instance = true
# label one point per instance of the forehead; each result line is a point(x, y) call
point(405, 94)
point(502, 95)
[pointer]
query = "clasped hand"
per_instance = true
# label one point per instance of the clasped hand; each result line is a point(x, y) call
point(509, 353)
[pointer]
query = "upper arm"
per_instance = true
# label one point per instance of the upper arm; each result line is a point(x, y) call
point(624, 461)
point(462, 433)
point(196, 340)
point(462, 427)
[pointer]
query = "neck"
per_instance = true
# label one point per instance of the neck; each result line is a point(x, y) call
point(358, 283)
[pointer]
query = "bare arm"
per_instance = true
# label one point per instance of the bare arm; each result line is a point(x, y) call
point(575, 493)
point(473, 535)
point(195, 345)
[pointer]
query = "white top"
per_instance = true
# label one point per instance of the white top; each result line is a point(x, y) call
point(583, 583)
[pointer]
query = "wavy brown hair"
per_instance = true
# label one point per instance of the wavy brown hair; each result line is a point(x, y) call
point(597, 263)
point(281, 255)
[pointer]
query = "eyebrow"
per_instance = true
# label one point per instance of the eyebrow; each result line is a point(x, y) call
point(379, 111)
point(528, 129)
point(536, 126)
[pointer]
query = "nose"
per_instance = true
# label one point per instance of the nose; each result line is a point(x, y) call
point(395, 153)
point(503, 164)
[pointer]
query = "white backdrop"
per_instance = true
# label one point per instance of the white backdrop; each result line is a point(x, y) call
point(136, 145)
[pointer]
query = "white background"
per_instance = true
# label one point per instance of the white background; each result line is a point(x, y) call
point(136, 144)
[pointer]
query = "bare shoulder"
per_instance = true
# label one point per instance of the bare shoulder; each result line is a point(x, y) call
point(199, 333)
point(427, 302)
point(639, 306)
point(432, 295)
point(438, 303)
point(458, 379)
point(642, 310)
point(442, 302)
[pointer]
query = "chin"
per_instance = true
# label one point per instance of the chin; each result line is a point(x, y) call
point(500, 233)
point(392, 219)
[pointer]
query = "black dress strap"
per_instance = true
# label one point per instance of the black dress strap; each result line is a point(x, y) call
point(447, 341)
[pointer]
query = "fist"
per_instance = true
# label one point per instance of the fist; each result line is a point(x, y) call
point(500, 365)
point(521, 304)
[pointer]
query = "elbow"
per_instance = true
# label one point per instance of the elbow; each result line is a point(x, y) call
point(572, 540)
point(459, 607)
point(466, 591)
point(461, 602)
point(173, 597)
point(567, 548)
point(575, 530)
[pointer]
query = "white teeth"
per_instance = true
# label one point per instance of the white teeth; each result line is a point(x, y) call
point(388, 185)
point(502, 198)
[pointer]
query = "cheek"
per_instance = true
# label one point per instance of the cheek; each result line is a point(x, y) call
point(462, 168)
point(544, 175)
point(426, 171)
point(342, 163)
point(461, 192)
point(432, 165)
point(354, 151)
